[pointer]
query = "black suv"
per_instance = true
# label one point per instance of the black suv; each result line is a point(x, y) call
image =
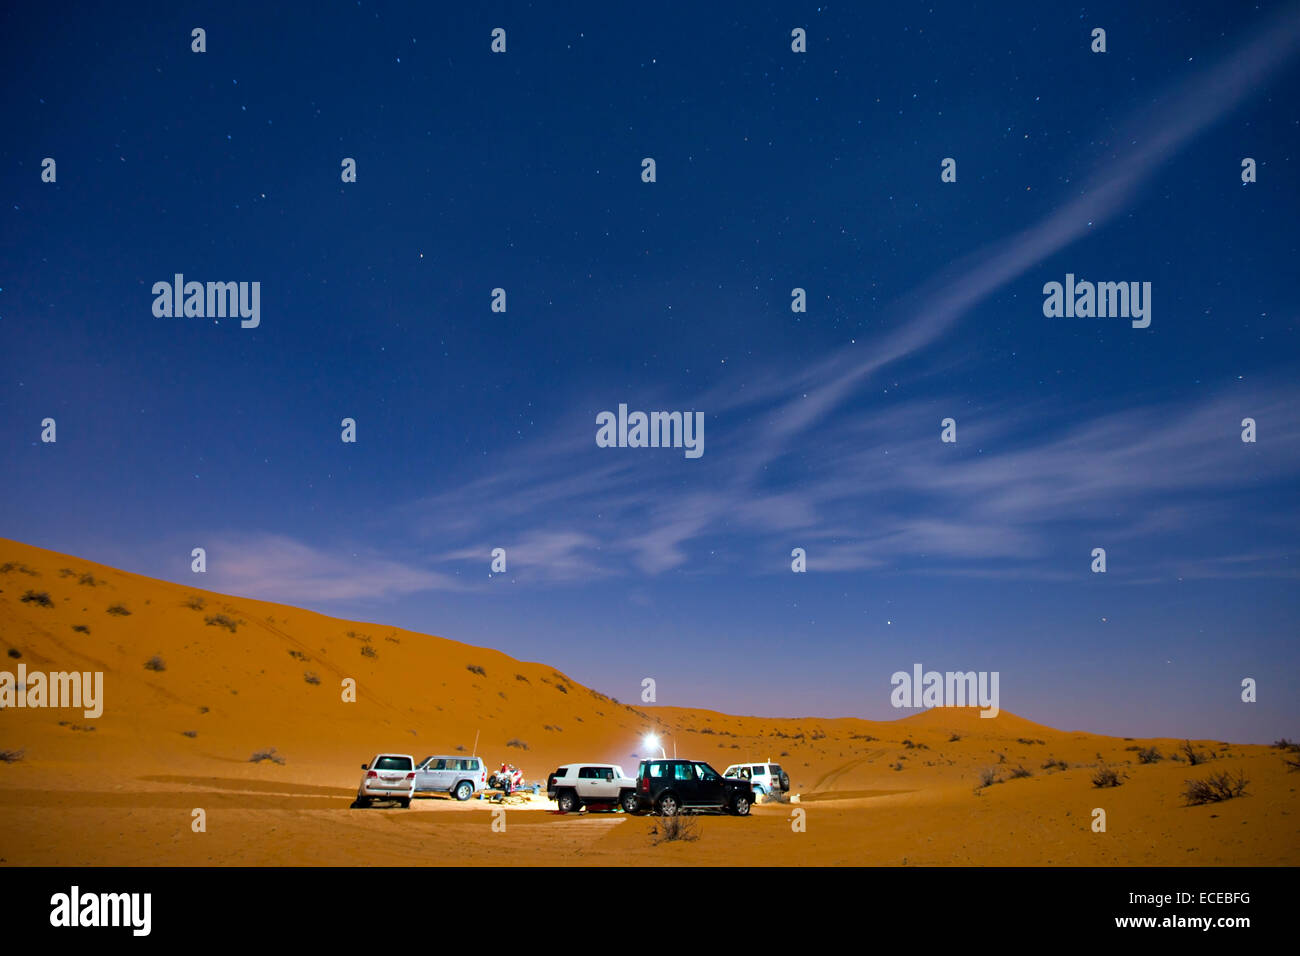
point(669, 786)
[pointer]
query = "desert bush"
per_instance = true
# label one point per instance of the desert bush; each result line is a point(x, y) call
point(195, 603)
point(1193, 755)
point(1149, 755)
point(88, 580)
point(1284, 744)
point(1028, 742)
point(679, 828)
point(11, 756)
point(81, 629)
point(522, 678)
point(119, 610)
point(1292, 763)
point(221, 620)
point(1105, 777)
point(908, 743)
point(1053, 763)
point(15, 653)
point(189, 733)
point(268, 754)
point(369, 651)
point(475, 669)
point(298, 655)
point(1020, 771)
point(516, 743)
point(988, 777)
point(311, 678)
point(954, 738)
point(155, 663)
point(1215, 788)
point(40, 598)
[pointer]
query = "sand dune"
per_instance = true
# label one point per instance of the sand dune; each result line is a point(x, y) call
point(231, 677)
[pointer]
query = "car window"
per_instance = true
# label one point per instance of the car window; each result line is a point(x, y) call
point(776, 770)
point(657, 769)
point(760, 770)
point(732, 772)
point(683, 771)
point(393, 763)
point(708, 773)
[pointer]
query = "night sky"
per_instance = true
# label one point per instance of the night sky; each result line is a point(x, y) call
point(775, 170)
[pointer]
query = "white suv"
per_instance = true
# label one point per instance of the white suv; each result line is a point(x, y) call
point(576, 785)
point(388, 777)
point(765, 778)
point(461, 777)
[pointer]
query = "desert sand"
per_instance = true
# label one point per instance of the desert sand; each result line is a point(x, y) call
point(240, 676)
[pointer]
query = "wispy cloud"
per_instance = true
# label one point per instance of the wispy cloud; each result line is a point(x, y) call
point(278, 568)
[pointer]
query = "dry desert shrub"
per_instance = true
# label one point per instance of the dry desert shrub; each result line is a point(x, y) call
point(311, 678)
point(268, 754)
point(119, 610)
point(1053, 763)
point(1019, 772)
point(15, 653)
point(81, 629)
point(1192, 755)
point(475, 669)
point(516, 743)
point(1215, 788)
point(195, 603)
point(988, 777)
point(189, 733)
point(522, 678)
point(11, 756)
point(1106, 777)
point(1149, 755)
point(221, 620)
point(39, 598)
point(88, 580)
point(368, 651)
point(679, 828)
point(155, 663)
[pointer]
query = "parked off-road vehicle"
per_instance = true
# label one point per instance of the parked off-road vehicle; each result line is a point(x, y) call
point(766, 778)
point(578, 785)
point(668, 787)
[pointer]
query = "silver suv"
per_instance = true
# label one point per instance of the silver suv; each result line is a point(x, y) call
point(461, 777)
point(387, 777)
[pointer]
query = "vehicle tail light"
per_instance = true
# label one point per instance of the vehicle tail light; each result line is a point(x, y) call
point(371, 773)
point(411, 775)
point(645, 785)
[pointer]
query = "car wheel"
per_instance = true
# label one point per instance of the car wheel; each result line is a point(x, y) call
point(567, 801)
point(628, 801)
point(360, 803)
point(404, 803)
point(668, 806)
point(464, 790)
point(741, 806)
